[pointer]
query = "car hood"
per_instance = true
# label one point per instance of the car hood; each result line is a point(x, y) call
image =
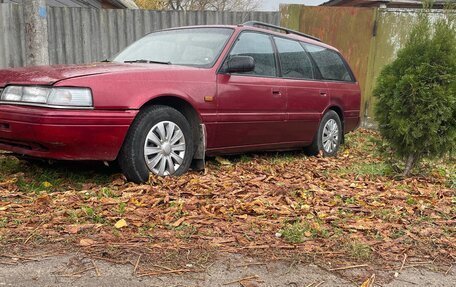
point(49, 75)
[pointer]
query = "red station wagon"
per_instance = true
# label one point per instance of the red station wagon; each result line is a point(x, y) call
point(177, 95)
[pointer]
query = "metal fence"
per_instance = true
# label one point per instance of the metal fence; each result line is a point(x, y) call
point(83, 35)
point(12, 44)
point(369, 38)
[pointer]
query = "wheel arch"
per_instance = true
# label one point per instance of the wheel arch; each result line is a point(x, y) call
point(177, 102)
point(339, 111)
point(192, 116)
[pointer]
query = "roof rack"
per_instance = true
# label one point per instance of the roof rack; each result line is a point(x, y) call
point(287, 31)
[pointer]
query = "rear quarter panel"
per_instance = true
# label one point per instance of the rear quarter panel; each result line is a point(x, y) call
point(347, 97)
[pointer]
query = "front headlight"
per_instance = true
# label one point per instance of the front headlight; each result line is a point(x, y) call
point(52, 97)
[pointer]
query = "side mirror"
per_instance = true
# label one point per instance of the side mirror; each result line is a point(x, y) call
point(240, 64)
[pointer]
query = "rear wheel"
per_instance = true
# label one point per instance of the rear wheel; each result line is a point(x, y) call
point(328, 137)
point(159, 141)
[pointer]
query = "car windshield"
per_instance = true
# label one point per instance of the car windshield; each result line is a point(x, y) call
point(199, 47)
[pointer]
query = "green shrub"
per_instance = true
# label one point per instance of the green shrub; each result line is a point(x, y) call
point(416, 94)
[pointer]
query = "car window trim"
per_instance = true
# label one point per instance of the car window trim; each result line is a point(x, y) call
point(305, 51)
point(347, 67)
point(187, 28)
point(278, 65)
point(219, 70)
point(318, 75)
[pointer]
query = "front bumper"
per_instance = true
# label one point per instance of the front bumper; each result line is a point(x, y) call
point(63, 134)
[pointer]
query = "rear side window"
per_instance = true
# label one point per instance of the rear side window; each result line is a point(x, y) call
point(330, 64)
point(294, 61)
point(259, 47)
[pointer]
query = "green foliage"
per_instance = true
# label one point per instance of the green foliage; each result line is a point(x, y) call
point(416, 93)
point(363, 169)
point(299, 231)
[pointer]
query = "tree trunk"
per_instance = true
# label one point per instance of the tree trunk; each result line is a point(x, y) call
point(36, 33)
point(411, 161)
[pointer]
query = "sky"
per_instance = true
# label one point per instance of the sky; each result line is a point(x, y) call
point(273, 5)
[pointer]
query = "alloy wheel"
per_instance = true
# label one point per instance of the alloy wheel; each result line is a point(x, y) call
point(330, 136)
point(164, 148)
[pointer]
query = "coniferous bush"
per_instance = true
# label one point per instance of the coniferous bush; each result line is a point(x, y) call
point(416, 94)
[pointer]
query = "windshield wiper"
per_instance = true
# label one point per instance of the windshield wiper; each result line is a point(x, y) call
point(148, 62)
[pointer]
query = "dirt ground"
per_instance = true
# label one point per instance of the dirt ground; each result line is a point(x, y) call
point(229, 270)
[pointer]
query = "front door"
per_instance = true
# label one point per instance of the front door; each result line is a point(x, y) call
point(251, 106)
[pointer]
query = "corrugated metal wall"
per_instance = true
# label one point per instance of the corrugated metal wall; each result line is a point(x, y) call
point(369, 38)
point(82, 35)
point(349, 29)
point(12, 45)
point(78, 35)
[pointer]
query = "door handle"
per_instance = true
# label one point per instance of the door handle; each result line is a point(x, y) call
point(276, 93)
point(323, 94)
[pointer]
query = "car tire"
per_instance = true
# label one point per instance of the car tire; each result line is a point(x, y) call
point(329, 136)
point(161, 154)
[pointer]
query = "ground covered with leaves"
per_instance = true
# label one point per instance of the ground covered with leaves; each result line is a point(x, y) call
point(348, 210)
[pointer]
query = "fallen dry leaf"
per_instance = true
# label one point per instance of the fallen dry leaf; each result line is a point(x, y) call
point(3, 208)
point(47, 184)
point(222, 161)
point(121, 223)
point(369, 282)
point(267, 201)
point(76, 228)
point(178, 222)
point(86, 242)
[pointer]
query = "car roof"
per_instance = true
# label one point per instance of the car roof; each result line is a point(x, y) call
point(242, 27)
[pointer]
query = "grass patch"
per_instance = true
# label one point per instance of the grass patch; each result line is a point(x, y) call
point(9, 165)
point(122, 207)
point(362, 142)
point(359, 251)
point(389, 215)
point(93, 215)
point(106, 192)
point(397, 233)
point(36, 177)
point(183, 231)
point(285, 157)
point(366, 168)
point(3, 222)
point(299, 231)
point(451, 182)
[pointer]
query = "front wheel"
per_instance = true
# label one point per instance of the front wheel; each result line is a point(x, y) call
point(328, 137)
point(159, 141)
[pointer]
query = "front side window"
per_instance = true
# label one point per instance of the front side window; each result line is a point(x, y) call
point(199, 47)
point(293, 59)
point(330, 64)
point(259, 47)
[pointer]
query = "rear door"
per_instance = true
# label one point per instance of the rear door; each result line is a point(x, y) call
point(251, 106)
point(307, 97)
